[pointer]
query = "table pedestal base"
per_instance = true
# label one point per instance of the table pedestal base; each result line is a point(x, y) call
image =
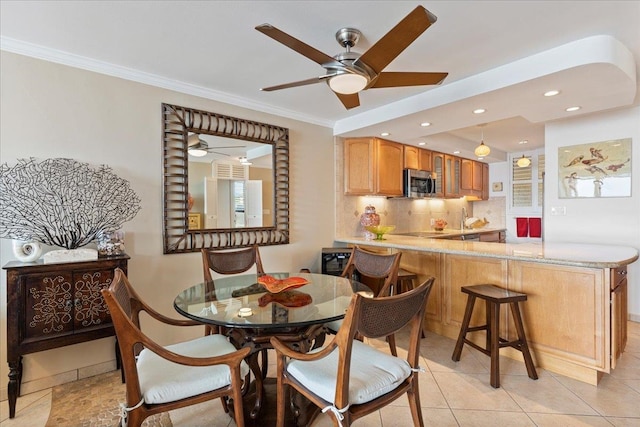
point(266, 417)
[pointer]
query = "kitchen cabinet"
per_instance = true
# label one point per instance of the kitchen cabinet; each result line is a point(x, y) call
point(619, 313)
point(576, 340)
point(411, 157)
point(485, 181)
point(54, 305)
point(437, 162)
point(417, 158)
point(493, 236)
point(425, 160)
point(471, 178)
point(452, 176)
point(373, 166)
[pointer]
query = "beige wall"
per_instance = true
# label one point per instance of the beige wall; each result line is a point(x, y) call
point(49, 110)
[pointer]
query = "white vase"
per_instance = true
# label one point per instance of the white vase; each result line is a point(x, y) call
point(26, 251)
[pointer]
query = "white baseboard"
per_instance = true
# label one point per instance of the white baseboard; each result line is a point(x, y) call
point(634, 317)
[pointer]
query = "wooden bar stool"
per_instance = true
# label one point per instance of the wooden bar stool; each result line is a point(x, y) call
point(494, 296)
point(406, 280)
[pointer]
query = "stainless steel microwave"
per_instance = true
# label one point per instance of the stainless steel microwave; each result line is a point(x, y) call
point(418, 184)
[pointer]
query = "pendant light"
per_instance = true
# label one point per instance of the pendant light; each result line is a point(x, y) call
point(523, 162)
point(482, 150)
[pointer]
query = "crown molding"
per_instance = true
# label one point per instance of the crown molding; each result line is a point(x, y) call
point(65, 58)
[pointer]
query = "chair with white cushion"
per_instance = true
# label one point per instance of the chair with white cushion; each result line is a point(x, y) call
point(160, 379)
point(349, 378)
point(379, 271)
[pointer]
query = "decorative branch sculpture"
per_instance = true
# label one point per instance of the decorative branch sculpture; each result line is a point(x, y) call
point(62, 202)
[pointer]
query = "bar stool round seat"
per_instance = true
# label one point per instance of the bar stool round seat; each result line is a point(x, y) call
point(494, 297)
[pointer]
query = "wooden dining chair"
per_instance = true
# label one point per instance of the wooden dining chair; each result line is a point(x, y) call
point(227, 262)
point(160, 379)
point(349, 378)
point(231, 261)
point(374, 270)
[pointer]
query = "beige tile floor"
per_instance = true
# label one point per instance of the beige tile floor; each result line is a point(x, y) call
point(457, 394)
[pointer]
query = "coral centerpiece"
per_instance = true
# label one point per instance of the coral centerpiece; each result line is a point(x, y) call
point(62, 202)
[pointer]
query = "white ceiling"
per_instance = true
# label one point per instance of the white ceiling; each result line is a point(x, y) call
point(500, 55)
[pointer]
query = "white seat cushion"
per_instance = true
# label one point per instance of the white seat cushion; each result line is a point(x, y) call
point(164, 381)
point(373, 373)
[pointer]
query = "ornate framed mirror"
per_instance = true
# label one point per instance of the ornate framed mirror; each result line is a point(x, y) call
point(186, 129)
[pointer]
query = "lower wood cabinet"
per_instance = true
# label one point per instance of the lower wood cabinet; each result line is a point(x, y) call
point(54, 305)
point(619, 313)
point(494, 236)
point(575, 317)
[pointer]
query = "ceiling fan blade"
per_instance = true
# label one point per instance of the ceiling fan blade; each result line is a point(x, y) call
point(298, 83)
point(397, 39)
point(393, 79)
point(295, 44)
point(230, 146)
point(349, 101)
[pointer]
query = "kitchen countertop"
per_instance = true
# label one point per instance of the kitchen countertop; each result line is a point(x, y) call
point(451, 232)
point(574, 254)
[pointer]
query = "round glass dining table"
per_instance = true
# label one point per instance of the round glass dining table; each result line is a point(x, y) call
point(250, 315)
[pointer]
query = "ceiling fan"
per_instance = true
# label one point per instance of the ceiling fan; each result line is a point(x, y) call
point(199, 148)
point(348, 73)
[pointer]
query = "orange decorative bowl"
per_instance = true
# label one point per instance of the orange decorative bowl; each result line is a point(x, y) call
point(274, 285)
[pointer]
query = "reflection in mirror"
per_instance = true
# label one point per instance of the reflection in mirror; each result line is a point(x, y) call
point(230, 183)
point(226, 181)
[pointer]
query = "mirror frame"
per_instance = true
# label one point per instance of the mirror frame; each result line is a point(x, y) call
point(178, 122)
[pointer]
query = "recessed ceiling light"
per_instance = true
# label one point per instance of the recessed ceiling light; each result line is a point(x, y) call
point(576, 108)
point(551, 93)
point(524, 141)
point(479, 111)
point(456, 152)
point(425, 124)
point(385, 134)
point(422, 143)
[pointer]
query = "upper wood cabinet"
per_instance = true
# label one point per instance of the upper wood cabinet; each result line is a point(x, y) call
point(437, 169)
point(452, 176)
point(485, 181)
point(471, 178)
point(425, 160)
point(417, 158)
point(373, 166)
point(411, 157)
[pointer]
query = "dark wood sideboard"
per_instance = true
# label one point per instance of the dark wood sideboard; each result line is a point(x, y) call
point(54, 305)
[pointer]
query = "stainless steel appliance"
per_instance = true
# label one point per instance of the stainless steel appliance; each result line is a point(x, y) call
point(334, 260)
point(418, 184)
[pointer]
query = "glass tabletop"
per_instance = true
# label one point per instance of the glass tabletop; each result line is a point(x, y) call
point(240, 302)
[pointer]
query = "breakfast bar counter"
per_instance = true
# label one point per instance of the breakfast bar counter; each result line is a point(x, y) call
point(576, 312)
point(576, 254)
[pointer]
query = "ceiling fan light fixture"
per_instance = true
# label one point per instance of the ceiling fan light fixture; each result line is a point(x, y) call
point(197, 152)
point(347, 83)
point(523, 162)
